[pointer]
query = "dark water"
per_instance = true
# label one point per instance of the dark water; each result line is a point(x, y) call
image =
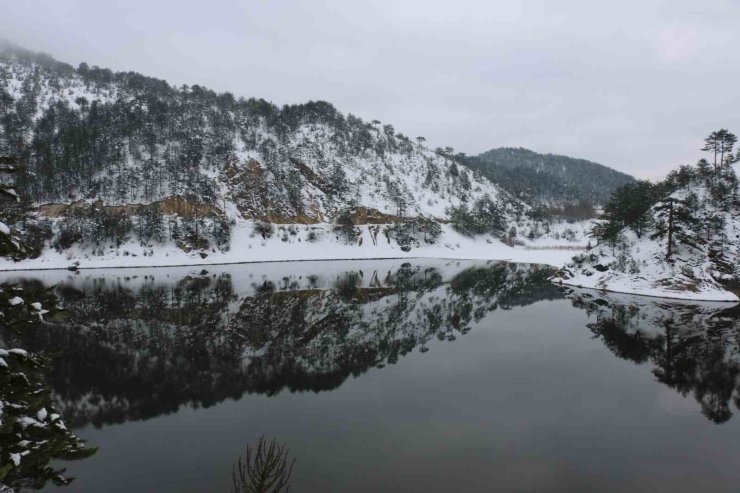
point(384, 376)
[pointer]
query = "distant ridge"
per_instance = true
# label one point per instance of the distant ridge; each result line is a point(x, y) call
point(548, 179)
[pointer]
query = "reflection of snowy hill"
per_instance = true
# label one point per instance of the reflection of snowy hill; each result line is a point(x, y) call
point(134, 346)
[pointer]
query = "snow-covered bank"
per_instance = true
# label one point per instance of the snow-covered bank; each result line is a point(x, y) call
point(688, 247)
point(295, 242)
point(643, 272)
point(707, 293)
point(652, 308)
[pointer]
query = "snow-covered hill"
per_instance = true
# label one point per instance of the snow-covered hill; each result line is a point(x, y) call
point(689, 249)
point(115, 165)
point(103, 162)
point(251, 159)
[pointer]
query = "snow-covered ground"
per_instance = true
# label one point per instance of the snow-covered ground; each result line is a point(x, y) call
point(646, 274)
point(291, 242)
point(638, 264)
point(562, 235)
point(648, 312)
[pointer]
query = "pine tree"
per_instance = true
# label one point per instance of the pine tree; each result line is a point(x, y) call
point(720, 143)
point(607, 232)
point(726, 147)
point(150, 223)
point(629, 205)
point(711, 144)
point(677, 224)
point(345, 225)
point(294, 188)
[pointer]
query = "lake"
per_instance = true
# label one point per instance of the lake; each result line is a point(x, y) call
point(387, 375)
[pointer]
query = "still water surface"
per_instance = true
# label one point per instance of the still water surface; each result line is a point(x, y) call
point(389, 376)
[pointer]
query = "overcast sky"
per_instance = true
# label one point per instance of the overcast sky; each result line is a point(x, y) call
point(633, 84)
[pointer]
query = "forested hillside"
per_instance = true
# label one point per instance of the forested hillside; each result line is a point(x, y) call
point(548, 179)
point(102, 158)
point(124, 137)
point(679, 238)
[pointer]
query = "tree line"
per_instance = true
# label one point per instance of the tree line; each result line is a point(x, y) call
point(653, 209)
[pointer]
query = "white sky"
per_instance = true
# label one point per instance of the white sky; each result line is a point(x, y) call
point(632, 84)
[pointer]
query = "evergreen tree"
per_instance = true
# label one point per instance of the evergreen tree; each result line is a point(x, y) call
point(607, 232)
point(486, 216)
point(629, 205)
point(676, 223)
point(295, 187)
point(720, 143)
point(429, 228)
point(150, 224)
point(344, 224)
point(711, 145)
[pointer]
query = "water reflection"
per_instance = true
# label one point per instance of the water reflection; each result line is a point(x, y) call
point(135, 344)
point(693, 348)
point(134, 348)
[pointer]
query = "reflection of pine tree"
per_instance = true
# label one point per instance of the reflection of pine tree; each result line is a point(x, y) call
point(691, 354)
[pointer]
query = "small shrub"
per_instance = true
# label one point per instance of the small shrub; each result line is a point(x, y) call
point(266, 469)
point(265, 229)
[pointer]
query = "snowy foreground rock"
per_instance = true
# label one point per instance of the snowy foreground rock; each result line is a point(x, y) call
point(646, 274)
point(698, 260)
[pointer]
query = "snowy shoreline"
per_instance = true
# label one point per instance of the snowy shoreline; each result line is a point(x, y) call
point(540, 255)
point(656, 293)
point(247, 247)
point(291, 243)
point(247, 262)
point(643, 264)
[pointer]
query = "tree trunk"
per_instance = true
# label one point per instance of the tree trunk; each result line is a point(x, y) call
point(669, 251)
